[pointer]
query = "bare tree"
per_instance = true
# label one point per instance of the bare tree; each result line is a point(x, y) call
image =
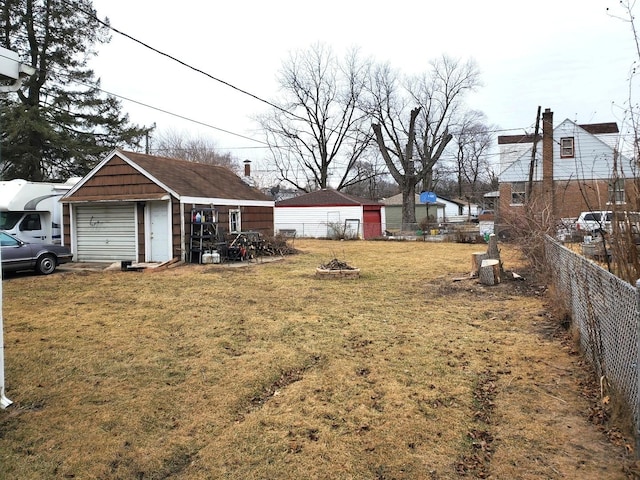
point(372, 180)
point(316, 131)
point(439, 94)
point(195, 149)
point(411, 122)
point(625, 182)
point(474, 140)
point(632, 113)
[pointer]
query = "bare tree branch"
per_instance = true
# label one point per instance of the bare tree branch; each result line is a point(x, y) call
point(318, 136)
point(431, 103)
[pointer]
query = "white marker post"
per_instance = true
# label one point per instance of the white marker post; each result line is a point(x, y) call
point(10, 70)
point(4, 401)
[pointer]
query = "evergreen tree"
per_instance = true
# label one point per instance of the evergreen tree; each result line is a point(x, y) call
point(59, 124)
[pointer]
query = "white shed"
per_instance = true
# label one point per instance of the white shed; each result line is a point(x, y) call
point(328, 213)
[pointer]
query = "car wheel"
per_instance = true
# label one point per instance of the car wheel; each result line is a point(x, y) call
point(46, 264)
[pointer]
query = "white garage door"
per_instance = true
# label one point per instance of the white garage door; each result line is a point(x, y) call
point(105, 232)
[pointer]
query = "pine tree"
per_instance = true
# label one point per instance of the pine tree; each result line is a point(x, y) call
point(59, 124)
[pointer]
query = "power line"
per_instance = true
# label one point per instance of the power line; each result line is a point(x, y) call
point(185, 64)
point(182, 117)
point(265, 144)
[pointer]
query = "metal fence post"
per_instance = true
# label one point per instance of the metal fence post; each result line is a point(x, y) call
point(4, 401)
point(637, 366)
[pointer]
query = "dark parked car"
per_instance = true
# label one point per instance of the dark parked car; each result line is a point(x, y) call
point(41, 257)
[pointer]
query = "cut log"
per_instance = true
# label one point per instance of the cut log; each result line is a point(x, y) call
point(476, 262)
point(489, 272)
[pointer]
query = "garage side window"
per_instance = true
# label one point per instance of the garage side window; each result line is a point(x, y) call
point(234, 221)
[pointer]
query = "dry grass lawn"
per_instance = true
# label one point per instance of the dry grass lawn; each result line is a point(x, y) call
point(265, 372)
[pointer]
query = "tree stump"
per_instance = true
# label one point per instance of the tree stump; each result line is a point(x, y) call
point(476, 262)
point(489, 273)
point(493, 251)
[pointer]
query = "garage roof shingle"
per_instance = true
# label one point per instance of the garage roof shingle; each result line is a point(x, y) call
point(325, 197)
point(194, 179)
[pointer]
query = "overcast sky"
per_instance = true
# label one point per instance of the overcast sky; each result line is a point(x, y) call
point(570, 56)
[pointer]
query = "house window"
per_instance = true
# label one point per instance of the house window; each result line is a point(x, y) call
point(616, 191)
point(234, 221)
point(566, 147)
point(518, 193)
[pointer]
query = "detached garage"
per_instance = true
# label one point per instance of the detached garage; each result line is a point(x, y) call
point(328, 213)
point(139, 208)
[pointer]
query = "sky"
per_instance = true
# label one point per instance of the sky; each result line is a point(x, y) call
point(571, 56)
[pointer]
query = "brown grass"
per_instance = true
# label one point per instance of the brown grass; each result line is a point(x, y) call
point(264, 372)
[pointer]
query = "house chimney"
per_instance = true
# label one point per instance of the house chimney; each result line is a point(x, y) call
point(547, 163)
point(247, 168)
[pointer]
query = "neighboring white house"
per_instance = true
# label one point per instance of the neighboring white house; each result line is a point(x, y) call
point(590, 155)
point(575, 168)
point(458, 210)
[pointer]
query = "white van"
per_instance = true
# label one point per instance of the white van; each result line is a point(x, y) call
point(589, 222)
point(603, 221)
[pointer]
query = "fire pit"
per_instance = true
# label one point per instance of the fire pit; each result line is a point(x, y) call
point(337, 269)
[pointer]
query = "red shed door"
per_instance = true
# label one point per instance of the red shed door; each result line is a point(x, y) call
point(372, 222)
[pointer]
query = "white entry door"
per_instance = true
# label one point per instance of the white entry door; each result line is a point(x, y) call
point(158, 232)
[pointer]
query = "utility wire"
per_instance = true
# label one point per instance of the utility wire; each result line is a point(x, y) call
point(158, 109)
point(221, 129)
point(171, 57)
point(182, 117)
point(216, 79)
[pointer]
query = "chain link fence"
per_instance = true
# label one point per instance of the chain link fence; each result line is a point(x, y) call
point(606, 311)
point(354, 228)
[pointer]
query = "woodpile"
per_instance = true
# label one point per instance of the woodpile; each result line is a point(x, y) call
point(336, 264)
point(337, 269)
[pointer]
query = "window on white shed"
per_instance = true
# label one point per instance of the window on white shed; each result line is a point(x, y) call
point(235, 224)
